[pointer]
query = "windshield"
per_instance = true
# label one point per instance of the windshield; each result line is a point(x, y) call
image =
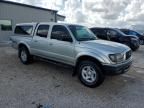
point(120, 32)
point(82, 33)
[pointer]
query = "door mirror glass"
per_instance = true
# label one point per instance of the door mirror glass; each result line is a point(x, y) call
point(108, 34)
point(112, 34)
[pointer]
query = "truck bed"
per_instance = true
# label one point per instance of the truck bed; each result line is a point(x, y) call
point(17, 39)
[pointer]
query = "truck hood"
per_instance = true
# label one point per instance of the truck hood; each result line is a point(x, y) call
point(104, 46)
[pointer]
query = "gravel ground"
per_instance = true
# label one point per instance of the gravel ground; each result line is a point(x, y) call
point(52, 85)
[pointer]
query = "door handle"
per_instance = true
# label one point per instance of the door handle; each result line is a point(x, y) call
point(35, 41)
point(50, 44)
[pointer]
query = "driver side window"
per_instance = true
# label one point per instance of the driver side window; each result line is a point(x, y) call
point(60, 32)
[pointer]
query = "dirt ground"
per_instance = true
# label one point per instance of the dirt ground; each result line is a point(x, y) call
point(52, 85)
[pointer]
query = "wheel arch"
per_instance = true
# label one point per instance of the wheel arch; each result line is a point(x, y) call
point(23, 45)
point(86, 57)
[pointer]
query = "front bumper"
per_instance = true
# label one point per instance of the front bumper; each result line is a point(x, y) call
point(116, 69)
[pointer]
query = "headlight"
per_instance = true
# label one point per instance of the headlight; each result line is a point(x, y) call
point(116, 57)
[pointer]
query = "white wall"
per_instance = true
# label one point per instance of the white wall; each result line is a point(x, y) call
point(59, 18)
point(22, 14)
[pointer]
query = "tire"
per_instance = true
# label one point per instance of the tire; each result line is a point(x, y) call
point(134, 48)
point(24, 55)
point(95, 77)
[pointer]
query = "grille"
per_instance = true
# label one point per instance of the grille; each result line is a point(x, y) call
point(128, 54)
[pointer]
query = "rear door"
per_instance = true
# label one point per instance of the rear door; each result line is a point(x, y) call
point(39, 45)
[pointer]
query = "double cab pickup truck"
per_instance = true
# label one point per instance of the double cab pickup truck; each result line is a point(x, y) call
point(74, 45)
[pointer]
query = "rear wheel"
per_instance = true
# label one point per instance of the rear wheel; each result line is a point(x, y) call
point(90, 74)
point(24, 55)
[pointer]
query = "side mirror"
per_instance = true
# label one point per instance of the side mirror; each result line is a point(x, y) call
point(108, 35)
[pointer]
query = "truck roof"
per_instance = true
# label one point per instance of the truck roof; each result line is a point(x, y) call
point(26, 23)
point(51, 23)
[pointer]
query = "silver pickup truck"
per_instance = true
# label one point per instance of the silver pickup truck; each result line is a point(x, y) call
point(74, 45)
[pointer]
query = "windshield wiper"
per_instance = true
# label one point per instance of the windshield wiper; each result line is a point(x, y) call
point(86, 39)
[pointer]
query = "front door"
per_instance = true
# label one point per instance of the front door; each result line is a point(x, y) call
point(61, 45)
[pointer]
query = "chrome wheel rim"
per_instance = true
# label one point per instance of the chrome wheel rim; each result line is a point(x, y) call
point(23, 55)
point(89, 74)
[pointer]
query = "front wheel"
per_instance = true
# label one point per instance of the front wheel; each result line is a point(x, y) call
point(90, 74)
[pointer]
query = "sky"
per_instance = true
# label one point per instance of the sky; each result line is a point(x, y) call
point(100, 13)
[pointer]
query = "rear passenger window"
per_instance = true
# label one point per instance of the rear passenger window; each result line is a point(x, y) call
point(42, 31)
point(23, 30)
